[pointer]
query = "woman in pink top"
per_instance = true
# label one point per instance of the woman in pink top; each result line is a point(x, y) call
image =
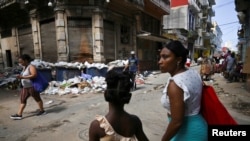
point(117, 124)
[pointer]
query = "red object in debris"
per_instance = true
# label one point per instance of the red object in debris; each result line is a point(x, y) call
point(139, 81)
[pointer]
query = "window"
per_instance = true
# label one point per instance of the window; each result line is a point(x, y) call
point(191, 21)
point(125, 32)
point(6, 33)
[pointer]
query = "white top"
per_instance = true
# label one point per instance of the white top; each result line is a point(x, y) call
point(26, 83)
point(221, 61)
point(190, 82)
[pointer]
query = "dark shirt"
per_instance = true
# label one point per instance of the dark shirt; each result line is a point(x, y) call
point(133, 63)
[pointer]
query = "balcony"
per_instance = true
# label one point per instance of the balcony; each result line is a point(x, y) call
point(197, 25)
point(211, 12)
point(155, 8)
point(194, 6)
point(212, 2)
point(204, 3)
point(209, 21)
point(242, 5)
point(207, 35)
point(242, 17)
point(192, 35)
point(198, 44)
point(126, 6)
point(162, 5)
point(5, 3)
point(139, 3)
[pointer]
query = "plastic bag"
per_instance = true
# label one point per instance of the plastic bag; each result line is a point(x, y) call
point(213, 110)
point(40, 83)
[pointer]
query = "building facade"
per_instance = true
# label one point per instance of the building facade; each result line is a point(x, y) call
point(242, 8)
point(82, 30)
point(216, 39)
point(191, 21)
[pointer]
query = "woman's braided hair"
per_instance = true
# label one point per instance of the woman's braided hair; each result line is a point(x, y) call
point(118, 87)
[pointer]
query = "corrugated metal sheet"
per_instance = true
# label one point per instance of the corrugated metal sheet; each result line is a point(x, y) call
point(48, 41)
point(80, 39)
point(109, 41)
point(25, 39)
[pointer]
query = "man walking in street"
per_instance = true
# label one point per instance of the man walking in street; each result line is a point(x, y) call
point(132, 66)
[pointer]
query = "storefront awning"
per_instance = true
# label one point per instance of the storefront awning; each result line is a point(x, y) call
point(200, 47)
point(171, 36)
point(149, 36)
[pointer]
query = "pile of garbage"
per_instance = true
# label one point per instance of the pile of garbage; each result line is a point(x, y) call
point(79, 84)
point(76, 85)
point(8, 77)
point(83, 85)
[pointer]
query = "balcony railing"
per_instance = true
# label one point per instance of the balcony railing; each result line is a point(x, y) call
point(209, 19)
point(199, 44)
point(204, 2)
point(207, 35)
point(211, 12)
point(197, 25)
point(139, 3)
point(212, 2)
point(5, 3)
point(163, 4)
point(193, 5)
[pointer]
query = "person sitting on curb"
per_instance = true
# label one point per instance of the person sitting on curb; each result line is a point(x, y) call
point(117, 124)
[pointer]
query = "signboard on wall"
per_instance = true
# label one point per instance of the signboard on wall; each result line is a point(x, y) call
point(246, 65)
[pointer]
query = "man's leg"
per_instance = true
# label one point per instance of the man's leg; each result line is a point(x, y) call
point(133, 74)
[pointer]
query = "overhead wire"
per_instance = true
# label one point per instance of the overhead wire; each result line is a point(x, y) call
point(218, 6)
point(229, 23)
point(231, 29)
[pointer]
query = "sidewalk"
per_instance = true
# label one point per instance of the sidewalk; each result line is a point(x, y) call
point(234, 96)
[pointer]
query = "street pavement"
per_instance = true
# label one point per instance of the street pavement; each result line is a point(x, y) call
point(234, 96)
point(69, 115)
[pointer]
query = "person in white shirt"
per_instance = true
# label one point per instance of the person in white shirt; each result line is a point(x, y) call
point(181, 96)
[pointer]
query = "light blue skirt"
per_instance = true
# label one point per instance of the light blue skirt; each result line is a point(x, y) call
point(194, 128)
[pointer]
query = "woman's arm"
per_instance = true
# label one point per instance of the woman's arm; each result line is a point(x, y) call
point(177, 109)
point(33, 73)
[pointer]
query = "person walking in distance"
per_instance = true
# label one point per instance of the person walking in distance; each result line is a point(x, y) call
point(29, 72)
point(132, 66)
point(117, 124)
point(181, 96)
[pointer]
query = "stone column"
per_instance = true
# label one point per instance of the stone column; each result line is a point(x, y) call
point(1, 55)
point(134, 37)
point(138, 21)
point(36, 34)
point(98, 31)
point(61, 34)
